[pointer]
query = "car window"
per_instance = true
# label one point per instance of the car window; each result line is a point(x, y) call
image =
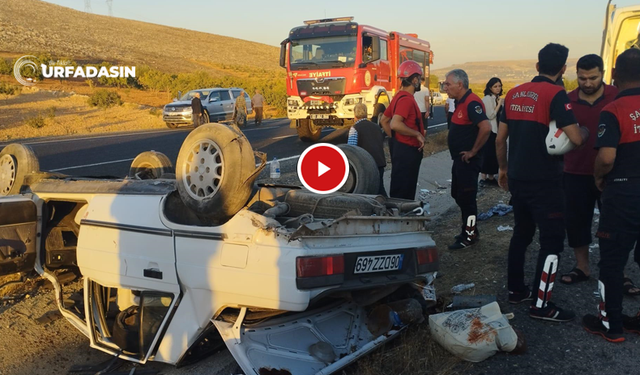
point(215, 96)
point(246, 96)
point(225, 95)
point(235, 93)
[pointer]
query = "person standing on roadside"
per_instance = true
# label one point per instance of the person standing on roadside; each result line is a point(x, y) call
point(617, 175)
point(240, 110)
point(422, 99)
point(469, 132)
point(449, 108)
point(581, 193)
point(257, 103)
point(196, 110)
point(534, 179)
point(403, 124)
point(367, 135)
point(493, 104)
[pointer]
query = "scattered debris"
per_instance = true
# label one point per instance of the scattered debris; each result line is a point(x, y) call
point(500, 209)
point(48, 317)
point(394, 314)
point(504, 228)
point(475, 334)
point(461, 288)
point(468, 302)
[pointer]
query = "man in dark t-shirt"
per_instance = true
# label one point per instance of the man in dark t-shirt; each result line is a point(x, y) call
point(617, 175)
point(196, 110)
point(403, 124)
point(533, 177)
point(468, 133)
point(581, 193)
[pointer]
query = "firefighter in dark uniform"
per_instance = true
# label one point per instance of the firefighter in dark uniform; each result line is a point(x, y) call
point(468, 133)
point(402, 122)
point(534, 178)
point(617, 175)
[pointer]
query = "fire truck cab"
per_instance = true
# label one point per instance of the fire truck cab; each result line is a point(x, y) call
point(621, 32)
point(332, 64)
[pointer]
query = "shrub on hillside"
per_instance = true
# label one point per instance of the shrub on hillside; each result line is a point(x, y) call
point(36, 122)
point(6, 66)
point(105, 99)
point(117, 82)
point(7, 89)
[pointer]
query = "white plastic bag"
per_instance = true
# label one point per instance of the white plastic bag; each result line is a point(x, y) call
point(474, 334)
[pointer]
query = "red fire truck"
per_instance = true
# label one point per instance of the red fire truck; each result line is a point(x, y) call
point(332, 64)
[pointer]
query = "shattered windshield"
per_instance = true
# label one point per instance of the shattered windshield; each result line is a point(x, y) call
point(323, 53)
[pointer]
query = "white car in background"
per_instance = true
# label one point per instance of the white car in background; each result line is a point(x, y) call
point(173, 263)
point(438, 98)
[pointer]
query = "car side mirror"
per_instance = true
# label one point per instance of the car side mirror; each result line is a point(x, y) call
point(362, 65)
point(213, 100)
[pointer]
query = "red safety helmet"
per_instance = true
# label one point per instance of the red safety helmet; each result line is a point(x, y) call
point(409, 68)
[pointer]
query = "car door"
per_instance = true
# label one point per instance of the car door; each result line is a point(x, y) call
point(227, 103)
point(19, 233)
point(215, 106)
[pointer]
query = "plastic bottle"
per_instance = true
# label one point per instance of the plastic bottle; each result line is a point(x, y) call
point(462, 287)
point(275, 168)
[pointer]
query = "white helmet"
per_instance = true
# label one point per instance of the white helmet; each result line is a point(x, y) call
point(558, 143)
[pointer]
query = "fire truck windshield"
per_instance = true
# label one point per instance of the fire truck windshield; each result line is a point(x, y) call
point(326, 52)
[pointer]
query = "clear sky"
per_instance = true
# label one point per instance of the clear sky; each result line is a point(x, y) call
point(459, 30)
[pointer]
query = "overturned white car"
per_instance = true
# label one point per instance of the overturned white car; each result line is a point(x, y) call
point(285, 277)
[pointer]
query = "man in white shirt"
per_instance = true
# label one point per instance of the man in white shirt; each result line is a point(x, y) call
point(449, 107)
point(257, 102)
point(422, 98)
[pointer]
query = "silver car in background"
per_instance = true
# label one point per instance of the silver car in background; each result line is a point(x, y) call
point(217, 104)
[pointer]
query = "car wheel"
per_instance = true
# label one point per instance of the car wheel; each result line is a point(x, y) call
point(215, 171)
point(151, 165)
point(171, 125)
point(307, 131)
point(16, 162)
point(363, 176)
point(206, 116)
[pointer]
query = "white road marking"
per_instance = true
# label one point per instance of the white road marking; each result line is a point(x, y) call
point(436, 125)
point(284, 136)
point(90, 165)
point(96, 137)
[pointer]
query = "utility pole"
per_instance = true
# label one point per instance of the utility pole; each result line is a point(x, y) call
point(87, 6)
point(110, 6)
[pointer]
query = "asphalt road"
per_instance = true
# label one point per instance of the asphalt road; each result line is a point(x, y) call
point(111, 154)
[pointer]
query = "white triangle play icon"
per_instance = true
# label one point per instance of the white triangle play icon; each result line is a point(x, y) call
point(322, 169)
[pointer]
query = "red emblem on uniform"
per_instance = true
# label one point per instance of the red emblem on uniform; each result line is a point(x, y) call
point(568, 106)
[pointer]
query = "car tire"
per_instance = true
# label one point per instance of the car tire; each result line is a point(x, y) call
point(215, 171)
point(378, 111)
point(307, 131)
point(151, 165)
point(171, 125)
point(206, 117)
point(16, 162)
point(363, 177)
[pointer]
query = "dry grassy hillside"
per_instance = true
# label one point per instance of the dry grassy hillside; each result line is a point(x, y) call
point(28, 26)
point(509, 71)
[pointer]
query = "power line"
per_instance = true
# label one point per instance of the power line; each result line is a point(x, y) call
point(87, 6)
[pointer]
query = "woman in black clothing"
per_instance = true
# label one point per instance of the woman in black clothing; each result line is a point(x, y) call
point(493, 106)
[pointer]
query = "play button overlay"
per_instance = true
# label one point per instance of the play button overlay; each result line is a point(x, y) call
point(323, 168)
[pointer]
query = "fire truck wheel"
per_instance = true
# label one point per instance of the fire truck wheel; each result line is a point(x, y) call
point(151, 165)
point(308, 132)
point(363, 171)
point(215, 171)
point(16, 162)
point(378, 111)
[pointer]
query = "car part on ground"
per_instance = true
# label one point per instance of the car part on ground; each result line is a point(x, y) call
point(151, 165)
point(16, 162)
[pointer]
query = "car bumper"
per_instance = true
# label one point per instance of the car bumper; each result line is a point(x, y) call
point(177, 117)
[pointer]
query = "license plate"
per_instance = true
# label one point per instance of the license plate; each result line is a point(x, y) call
point(322, 117)
point(379, 263)
point(317, 102)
